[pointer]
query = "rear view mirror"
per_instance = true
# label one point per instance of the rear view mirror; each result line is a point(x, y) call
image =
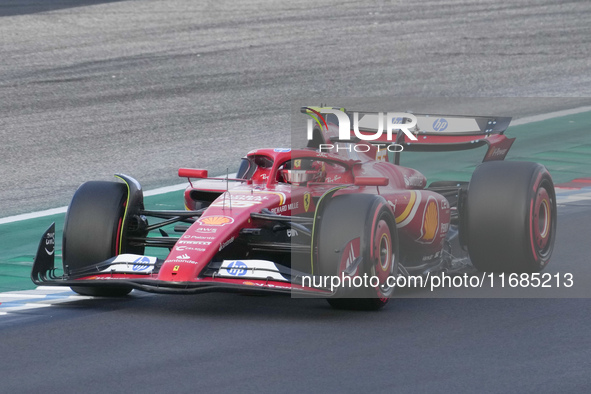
point(192, 173)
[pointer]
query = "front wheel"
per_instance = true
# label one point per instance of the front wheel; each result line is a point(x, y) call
point(359, 230)
point(93, 232)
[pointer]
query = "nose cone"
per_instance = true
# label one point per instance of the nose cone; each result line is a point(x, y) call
point(215, 232)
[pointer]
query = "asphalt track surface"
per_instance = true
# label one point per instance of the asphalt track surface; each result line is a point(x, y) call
point(146, 87)
point(226, 342)
point(149, 86)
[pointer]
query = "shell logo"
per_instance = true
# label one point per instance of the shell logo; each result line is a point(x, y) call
point(215, 220)
point(430, 221)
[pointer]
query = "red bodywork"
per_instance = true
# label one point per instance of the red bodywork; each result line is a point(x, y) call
point(423, 217)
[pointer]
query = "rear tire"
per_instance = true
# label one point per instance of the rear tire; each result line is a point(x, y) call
point(369, 219)
point(510, 217)
point(92, 231)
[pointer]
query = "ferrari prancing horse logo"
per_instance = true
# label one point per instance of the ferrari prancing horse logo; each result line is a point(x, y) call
point(307, 201)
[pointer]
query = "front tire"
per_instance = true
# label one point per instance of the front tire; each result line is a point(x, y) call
point(511, 217)
point(92, 231)
point(353, 226)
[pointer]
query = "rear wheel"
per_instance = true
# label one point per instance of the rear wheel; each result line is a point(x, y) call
point(92, 231)
point(359, 230)
point(511, 217)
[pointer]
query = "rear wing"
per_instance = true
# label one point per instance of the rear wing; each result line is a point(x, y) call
point(439, 133)
point(441, 125)
point(434, 133)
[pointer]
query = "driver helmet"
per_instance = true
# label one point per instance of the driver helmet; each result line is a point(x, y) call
point(299, 172)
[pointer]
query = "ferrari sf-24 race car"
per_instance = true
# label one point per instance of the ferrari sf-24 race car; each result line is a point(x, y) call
point(292, 214)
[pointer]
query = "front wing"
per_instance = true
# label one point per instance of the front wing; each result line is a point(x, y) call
point(140, 272)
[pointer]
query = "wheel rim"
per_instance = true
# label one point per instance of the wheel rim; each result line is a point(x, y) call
point(384, 257)
point(542, 223)
point(384, 252)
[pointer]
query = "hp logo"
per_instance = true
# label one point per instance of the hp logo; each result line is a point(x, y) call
point(440, 124)
point(237, 268)
point(141, 263)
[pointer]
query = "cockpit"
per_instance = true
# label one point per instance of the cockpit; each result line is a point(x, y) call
point(295, 171)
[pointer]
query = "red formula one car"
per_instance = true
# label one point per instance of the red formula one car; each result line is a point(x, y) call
point(338, 207)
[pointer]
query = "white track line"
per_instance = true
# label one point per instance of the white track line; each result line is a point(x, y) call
point(564, 196)
point(56, 211)
point(33, 215)
point(166, 189)
point(550, 115)
point(41, 297)
point(173, 188)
